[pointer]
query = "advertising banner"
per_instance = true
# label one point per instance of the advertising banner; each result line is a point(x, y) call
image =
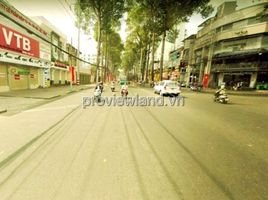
point(14, 41)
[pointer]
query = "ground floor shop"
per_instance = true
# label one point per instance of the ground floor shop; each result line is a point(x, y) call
point(239, 79)
point(84, 78)
point(59, 76)
point(19, 77)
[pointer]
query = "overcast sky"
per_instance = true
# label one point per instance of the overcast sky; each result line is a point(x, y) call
point(59, 13)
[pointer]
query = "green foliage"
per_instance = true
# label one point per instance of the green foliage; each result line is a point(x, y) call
point(104, 14)
point(114, 48)
point(172, 35)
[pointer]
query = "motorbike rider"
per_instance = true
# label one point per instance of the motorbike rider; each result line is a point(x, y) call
point(98, 87)
point(220, 91)
point(124, 87)
point(112, 86)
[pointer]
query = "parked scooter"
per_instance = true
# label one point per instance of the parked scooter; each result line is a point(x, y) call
point(196, 88)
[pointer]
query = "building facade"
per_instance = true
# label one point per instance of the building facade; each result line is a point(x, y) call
point(25, 55)
point(34, 53)
point(231, 47)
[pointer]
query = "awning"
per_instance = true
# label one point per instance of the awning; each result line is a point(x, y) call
point(238, 54)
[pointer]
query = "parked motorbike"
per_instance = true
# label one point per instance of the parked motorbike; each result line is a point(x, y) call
point(196, 88)
point(221, 98)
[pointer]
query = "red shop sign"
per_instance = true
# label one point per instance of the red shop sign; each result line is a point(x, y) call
point(17, 77)
point(20, 43)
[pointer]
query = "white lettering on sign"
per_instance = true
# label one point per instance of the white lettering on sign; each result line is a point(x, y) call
point(19, 39)
point(26, 44)
point(7, 37)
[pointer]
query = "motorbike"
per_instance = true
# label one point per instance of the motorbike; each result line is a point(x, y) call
point(196, 88)
point(221, 98)
point(97, 95)
point(124, 92)
point(112, 88)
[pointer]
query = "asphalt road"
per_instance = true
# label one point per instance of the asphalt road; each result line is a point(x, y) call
point(200, 151)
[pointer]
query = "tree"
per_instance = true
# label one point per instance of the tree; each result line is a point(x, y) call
point(165, 14)
point(113, 47)
point(103, 13)
point(139, 28)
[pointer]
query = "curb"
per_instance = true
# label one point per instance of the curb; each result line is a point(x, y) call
point(240, 94)
point(3, 110)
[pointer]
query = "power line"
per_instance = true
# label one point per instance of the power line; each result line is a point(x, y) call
point(44, 39)
point(67, 10)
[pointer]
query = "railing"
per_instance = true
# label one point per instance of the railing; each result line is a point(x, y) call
point(246, 67)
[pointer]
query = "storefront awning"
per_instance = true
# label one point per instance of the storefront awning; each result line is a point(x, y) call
point(239, 54)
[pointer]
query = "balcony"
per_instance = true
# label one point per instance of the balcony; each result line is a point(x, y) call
point(239, 67)
point(243, 31)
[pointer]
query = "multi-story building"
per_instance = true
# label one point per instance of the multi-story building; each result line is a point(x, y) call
point(60, 72)
point(188, 71)
point(25, 52)
point(231, 47)
point(33, 53)
point(172, 55)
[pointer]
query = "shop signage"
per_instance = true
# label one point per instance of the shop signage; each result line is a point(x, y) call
point(23, 71)
point(61, 65)
point(17, 42)
point(17, 77)
point(17, 16)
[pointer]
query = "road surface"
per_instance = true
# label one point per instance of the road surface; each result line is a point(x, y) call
point(200, 151)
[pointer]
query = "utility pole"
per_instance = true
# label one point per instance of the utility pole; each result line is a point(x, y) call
point(70, 65)
point(78, 46)
point(78, 55)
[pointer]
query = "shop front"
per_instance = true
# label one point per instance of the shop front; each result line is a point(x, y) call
point(18, 73)
point(24, 57)
point(59, 73)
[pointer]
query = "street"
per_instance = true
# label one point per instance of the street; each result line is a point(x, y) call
point(199, 151)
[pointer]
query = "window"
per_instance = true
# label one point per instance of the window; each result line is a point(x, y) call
point(227, 27)
point(254, 20)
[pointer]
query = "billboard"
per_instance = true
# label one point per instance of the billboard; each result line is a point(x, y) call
point(17, 42)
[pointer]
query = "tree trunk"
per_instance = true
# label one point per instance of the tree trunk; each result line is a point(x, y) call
point(162, 56)
point(141, 64)
point(147, 62)
point(98, 49)
point(106, 57)
point(152, 68)
point(102, 61)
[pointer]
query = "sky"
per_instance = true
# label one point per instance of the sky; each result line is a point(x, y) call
point(60, 14)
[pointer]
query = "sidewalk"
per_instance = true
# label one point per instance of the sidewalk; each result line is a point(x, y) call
point(239, 92)
point(18, 100)
point(45, 93)
point(212, 91)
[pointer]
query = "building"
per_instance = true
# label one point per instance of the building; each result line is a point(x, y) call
point(231, 47)
point(25, 52)
point(188, 69)
point(60, 73)
point(172, 54)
